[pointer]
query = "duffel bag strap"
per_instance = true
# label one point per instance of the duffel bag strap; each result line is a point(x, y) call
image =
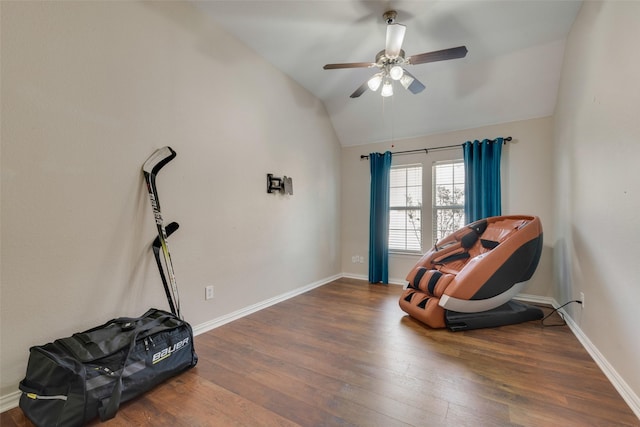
point(111, 404)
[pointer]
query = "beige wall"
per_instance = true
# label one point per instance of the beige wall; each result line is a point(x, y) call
point(526, 178)
point(597, 147)
point(89, 90)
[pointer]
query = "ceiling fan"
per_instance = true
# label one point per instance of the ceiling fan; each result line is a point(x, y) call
point(391, 62)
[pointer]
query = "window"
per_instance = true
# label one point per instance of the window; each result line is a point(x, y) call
point(405, 208)
point(448, 198)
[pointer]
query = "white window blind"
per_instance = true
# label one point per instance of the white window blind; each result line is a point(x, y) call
point(448, 198)
point(405, 208)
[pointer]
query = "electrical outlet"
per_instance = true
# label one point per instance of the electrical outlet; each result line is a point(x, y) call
point(582, 298)
point(361, 259)
point(354, 259)
point(208, 292)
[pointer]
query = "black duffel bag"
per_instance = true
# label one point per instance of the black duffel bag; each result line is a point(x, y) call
point(76, 379)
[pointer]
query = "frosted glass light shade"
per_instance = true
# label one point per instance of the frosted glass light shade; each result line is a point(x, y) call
point(374, 82)
point(387, 89)
point(396, 72)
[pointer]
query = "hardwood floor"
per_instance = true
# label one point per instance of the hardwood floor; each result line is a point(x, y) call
point(345, 354)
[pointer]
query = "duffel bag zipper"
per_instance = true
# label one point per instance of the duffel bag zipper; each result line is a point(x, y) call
point(146, 343)
point(105, 370)
point(41, 397)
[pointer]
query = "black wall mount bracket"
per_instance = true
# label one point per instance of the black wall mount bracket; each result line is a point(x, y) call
point(282, 185)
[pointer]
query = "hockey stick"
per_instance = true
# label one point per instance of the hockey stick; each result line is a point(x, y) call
point(173, 226)
point(151, 167)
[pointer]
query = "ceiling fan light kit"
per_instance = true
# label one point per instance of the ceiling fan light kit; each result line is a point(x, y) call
point(391, 62)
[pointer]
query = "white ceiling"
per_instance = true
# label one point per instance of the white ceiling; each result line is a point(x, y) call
point(511, 72)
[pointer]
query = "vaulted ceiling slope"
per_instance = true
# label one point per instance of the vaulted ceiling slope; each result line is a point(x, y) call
point(511, 71)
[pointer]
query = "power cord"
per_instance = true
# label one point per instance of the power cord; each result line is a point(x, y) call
point(564, 322)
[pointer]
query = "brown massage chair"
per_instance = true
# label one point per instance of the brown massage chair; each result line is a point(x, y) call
point(468, 279)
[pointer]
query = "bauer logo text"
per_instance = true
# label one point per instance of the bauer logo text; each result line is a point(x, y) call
point(163, 354)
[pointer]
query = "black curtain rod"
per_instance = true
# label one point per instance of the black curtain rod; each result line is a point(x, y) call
point(426, 150)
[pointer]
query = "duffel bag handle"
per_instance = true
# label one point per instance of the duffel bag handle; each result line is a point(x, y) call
point(111, 404)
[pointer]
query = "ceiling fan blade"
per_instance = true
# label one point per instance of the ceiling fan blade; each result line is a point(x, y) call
point(395, 37)
point(349, 65)
point(359, 91)
point(438, 55)
point(414, 85)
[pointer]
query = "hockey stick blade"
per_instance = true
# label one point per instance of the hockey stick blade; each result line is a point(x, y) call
point(158, 159)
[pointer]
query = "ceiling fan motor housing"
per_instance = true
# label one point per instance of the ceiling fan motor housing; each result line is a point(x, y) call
point(382, 59)
point(390, 17)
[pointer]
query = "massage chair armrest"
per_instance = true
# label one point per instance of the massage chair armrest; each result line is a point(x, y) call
point(429, 259)
point(455, 245)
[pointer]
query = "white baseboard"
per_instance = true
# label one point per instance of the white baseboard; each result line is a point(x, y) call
point(245, 311)
point(11, 400)
point(612, 375)
point(535, 299)
point(618, 382)
point(392, 281)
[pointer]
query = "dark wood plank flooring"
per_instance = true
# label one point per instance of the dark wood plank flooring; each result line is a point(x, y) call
point(345, 354)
